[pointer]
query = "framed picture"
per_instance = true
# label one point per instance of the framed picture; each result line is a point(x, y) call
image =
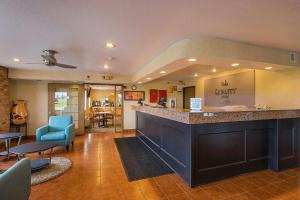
point(153, 96)
point(134, 95)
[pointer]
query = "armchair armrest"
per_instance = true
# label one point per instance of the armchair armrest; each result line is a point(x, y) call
point(41, 131)
point(70, 133)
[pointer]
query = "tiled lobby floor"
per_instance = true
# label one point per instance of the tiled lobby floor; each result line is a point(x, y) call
point(97, 174)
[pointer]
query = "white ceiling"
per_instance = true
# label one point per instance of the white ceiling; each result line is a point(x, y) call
point(78, 29)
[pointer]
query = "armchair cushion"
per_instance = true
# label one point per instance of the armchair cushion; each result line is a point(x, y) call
point(59, 123)
point(54, 136)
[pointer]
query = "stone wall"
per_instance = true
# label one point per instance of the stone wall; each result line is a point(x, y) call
point(4, 100)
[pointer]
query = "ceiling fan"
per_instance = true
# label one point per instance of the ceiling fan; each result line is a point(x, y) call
point(50, 60)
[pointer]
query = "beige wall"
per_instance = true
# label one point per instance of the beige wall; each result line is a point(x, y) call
point(99, 95)
point(272, 88)
point(199, 82)
point(35, 94)
point(278, 89)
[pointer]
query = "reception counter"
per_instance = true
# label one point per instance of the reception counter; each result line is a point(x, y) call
point(218, 143)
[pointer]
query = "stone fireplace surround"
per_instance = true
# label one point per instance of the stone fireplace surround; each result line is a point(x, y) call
point(4, 100)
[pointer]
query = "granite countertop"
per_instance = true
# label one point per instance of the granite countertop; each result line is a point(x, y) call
point(222, 114)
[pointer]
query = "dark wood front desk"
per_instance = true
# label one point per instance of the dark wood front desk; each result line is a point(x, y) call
point(203, 152)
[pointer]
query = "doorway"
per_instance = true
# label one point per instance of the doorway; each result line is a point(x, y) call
point(103, 108)
point(67, 99)
point(188, 93)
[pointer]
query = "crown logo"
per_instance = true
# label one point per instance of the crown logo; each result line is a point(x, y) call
point(224, 83)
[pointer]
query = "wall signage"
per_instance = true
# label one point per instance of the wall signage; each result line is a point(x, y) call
point(235, 89)
point(225, 92)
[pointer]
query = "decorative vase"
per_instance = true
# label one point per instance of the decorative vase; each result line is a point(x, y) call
point(19, 112)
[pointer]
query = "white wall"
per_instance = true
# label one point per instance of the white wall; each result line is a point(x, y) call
point(129, 114)
point(35, 94)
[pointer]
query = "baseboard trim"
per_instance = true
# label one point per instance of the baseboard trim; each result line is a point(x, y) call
point(129, 131)
point(32, 137)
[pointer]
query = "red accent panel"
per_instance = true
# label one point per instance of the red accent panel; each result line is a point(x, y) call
point(163, 93)
point(153, 96)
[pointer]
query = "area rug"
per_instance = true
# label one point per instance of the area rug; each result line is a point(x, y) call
point(138, 160)
point(59, 165)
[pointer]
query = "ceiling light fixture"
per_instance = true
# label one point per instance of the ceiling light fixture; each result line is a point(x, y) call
point(149, 78)
point(235, 64)
point(106, 66)
point(110, 45)
point(196, 75)
point(162, 72)
point(268, 68)
point(16, 60)
point(192, 59)
point(214, 70)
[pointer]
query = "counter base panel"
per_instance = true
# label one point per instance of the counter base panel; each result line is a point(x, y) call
point(201, 153)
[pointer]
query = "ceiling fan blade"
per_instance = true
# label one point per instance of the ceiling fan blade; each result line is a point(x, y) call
point(34, 63)
point(65, 66)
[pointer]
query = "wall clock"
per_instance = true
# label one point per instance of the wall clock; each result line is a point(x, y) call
point(133, 87)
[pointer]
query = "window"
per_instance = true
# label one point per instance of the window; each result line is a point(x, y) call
point(61, 101)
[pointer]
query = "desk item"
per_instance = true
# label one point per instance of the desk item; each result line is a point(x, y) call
point(195, 104)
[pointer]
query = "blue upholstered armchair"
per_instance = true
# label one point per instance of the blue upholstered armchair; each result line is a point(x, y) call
point(15, 183)
point(60, 129)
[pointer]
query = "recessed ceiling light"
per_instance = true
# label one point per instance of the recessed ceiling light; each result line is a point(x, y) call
point(140, 82)
point(162, 72)
point(16, 60)
point(267, 68)
point(192, 59)
point(106, 66)
point(235, 64)
point(149, 78)
point(196, 75)
point(214, 70)
point(110, 45)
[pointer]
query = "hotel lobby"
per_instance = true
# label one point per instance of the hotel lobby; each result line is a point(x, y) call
point(150, 100)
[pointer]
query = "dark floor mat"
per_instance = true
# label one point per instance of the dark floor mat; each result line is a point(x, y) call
point(138, 160)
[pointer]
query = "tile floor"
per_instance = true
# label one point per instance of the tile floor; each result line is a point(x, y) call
point(97, 174)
